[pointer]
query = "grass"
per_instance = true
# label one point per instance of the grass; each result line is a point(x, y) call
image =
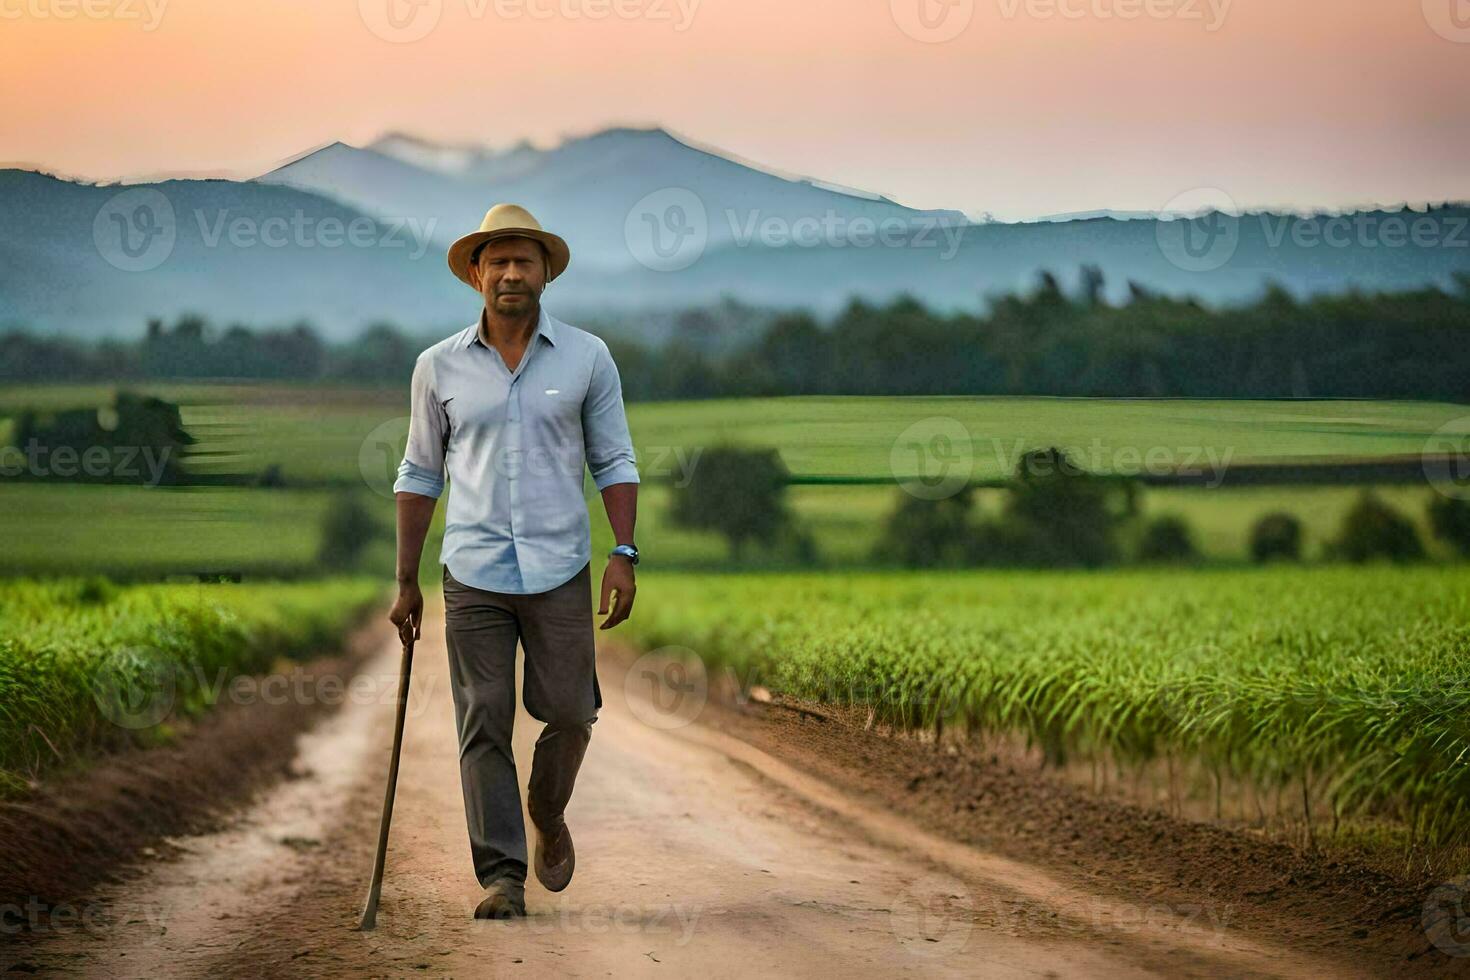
point(326, 434)
point(847, 521)
point(86, 665)
point(1351, 683)
point(855, 437)
point(150, 532)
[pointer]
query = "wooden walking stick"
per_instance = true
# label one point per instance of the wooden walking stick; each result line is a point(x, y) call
point(370, 910)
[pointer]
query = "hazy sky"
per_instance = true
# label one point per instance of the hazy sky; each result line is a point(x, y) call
point(1015, 107)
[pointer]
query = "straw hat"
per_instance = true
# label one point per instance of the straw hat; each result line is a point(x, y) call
point(501, 221)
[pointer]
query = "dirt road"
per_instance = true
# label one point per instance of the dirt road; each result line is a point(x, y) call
point(698, 856)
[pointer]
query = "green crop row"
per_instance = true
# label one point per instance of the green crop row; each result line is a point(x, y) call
point(87, 665)
point(1355, 681)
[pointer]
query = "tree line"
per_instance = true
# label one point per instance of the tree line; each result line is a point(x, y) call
point(1045, 341)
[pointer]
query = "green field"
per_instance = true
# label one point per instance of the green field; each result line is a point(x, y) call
point(86, 665)
point(324, 437)
point(149, 532)
point(855, 437)
point(1354, 680)
point(317, 432)
point(1351, 680)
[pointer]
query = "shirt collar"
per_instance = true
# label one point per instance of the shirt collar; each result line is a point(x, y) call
point(545, 326)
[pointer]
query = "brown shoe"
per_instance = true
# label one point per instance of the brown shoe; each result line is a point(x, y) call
point(555, 857)
point(505, 898)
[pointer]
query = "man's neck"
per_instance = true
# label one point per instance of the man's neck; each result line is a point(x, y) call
point(508, 331)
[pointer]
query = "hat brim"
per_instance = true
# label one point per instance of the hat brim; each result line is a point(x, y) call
point(459, 253)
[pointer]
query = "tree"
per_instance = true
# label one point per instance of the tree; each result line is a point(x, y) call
point(1449, 517)
point(1276, 536)
point(1167, 539)
point(1374, 530)
point(924, 533)
point(740, 493)
point(1062, 514)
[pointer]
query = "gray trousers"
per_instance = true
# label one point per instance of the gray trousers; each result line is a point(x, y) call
point(560, 688)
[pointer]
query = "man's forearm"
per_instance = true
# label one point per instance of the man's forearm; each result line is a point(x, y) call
point(621, 502)
point(415, 514)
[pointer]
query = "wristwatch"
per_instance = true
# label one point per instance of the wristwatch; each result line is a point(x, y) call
point(627, 550)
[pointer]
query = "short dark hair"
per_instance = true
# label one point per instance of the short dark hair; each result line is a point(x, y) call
point(545, 254)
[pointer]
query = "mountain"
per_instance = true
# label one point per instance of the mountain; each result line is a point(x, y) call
point(85, 259)
point(654, 223)
point(1000, 258)
point(587, 189)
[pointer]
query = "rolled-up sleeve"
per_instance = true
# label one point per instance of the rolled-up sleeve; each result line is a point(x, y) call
point(609, 447)
point(422, 469)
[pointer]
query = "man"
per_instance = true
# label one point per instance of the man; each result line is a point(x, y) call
point(516, 405)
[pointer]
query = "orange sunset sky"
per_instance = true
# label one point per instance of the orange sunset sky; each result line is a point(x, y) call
point(1031, 107)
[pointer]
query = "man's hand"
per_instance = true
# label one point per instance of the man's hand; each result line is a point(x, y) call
point(407, 613)
point(617, 578)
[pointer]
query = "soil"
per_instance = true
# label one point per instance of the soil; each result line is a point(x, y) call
point(760, 837)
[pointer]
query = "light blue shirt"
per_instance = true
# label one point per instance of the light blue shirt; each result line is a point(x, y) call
point(515, 444)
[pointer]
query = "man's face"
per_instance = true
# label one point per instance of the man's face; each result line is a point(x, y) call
point(510, 273)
